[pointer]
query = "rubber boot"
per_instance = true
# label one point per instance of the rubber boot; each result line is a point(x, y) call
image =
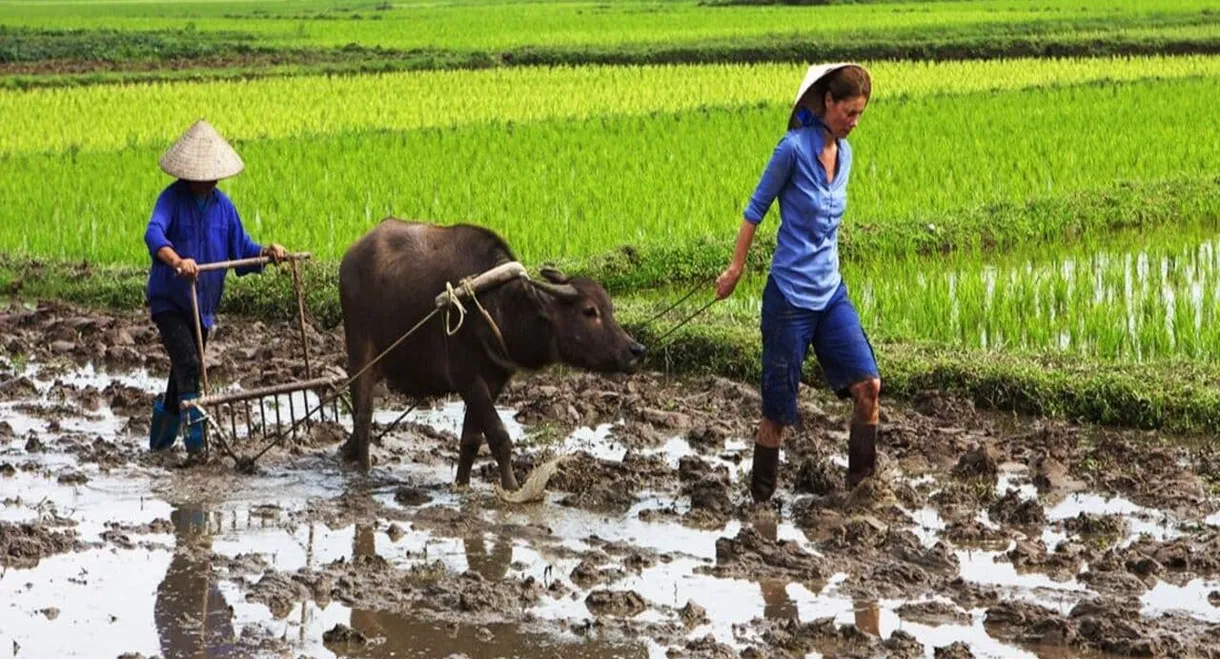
point(192, 433)
point(861, 453)
point(163, 429)
point(765, 472)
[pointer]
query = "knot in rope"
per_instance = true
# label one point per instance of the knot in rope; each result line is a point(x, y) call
point(451, 294)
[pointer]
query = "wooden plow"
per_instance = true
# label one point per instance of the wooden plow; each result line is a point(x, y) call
point(254, 410)
point(272, 412)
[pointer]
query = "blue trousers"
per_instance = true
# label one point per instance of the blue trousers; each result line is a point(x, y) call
point(836, 336)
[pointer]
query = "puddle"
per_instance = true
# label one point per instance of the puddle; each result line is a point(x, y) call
point(160, 593)
point(1190, 599)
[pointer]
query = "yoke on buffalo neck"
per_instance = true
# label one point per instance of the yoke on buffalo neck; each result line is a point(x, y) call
point(497, 276)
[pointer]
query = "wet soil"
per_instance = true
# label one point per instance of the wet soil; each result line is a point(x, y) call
point(982, 535)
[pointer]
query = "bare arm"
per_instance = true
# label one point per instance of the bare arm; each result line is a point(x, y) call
point(185, 267)
point(727, 281)
point(776, 174)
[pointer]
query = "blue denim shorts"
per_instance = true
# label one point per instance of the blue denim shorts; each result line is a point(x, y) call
point(838, 340)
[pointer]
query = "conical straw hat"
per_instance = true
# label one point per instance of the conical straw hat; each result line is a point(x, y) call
point(812, 76)
point(201, 154)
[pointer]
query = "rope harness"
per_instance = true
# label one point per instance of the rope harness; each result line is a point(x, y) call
point(694, 289)
point(449, 301)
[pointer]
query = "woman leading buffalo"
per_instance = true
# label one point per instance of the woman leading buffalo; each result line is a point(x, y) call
point(805, 301)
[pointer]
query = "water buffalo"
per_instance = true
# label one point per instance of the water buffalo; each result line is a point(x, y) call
point(389, 280)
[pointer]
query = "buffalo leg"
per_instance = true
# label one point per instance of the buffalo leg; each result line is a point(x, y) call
point(472, 439)
point(357, 447)
point(481, 405)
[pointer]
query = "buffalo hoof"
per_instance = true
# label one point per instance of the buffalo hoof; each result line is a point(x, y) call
point(350, 452)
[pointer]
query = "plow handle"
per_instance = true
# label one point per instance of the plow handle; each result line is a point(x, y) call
point(257, 260)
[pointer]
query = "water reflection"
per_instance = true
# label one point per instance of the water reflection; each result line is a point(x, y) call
point(404, 635)
point(192, 617)
point(779, 605)
point(868, 617)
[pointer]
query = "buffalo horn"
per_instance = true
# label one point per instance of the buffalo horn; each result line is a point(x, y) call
point(565, 292)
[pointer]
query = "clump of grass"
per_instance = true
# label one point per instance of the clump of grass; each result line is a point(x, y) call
point(1165, 393)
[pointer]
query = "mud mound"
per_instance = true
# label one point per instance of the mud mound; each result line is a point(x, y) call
point(972, 533)
point(708, 487)
point(1097, 625)
point(18, 388)
point(1061, 565)
point(469, 592)
point(1103, 526)
point(960, 499)
point(958, 650)
point(617, 603)
point(279, 592)
point(822, 636)
point(706, 647)
point(1012, 509)
point(23, 545)
point(586, 574)
point(606, 485)
point(980, 462)
point(819, 477)
point(933, 613)
point(1196, 557)
point(749, 554)
point(939, 405)
point(341, 634)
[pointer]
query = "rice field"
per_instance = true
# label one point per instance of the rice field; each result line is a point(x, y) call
point(955, 161)
point(920, 162)
point(501, 25)
point(100, 117)
point(1138, 298)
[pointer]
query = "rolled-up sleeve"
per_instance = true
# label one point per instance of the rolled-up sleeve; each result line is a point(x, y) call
point(776, 174)
point(158, 225)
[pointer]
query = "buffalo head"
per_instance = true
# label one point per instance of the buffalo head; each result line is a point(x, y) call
point(585, 332)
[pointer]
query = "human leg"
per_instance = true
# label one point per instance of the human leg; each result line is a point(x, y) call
point(163, 428)
point(178, 337)
point(847, 359)
point(786, 333)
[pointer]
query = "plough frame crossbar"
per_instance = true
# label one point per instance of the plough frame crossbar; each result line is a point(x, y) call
point(251, 394)
point(213, 405)
point(447, 300)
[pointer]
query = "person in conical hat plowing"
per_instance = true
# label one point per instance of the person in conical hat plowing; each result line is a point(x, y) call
point(192, 223)
point(805, 301)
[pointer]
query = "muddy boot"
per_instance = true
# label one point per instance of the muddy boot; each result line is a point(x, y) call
point(163, 429)
point(861, 453)
point(192, 434)
point(764, 473)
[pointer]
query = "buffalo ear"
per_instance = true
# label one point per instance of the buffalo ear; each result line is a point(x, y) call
point(554, 276)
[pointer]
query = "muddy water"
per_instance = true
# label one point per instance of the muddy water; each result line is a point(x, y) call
point(646, 545)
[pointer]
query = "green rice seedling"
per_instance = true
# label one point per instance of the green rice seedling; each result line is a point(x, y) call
point(101, 117)
point(568, 189)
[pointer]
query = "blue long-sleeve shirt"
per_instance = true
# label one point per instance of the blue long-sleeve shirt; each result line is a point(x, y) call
point(805, 265)
point(207, 230)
